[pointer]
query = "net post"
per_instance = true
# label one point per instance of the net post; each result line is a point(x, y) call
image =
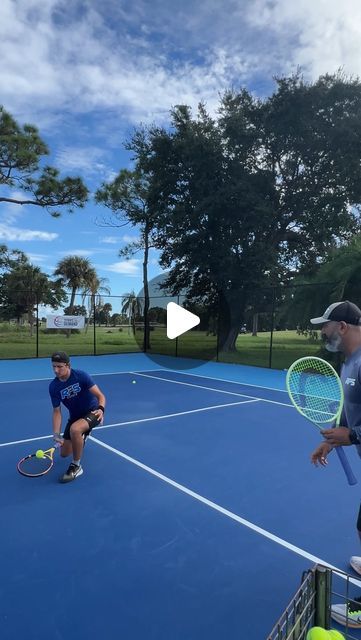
point(323, 591)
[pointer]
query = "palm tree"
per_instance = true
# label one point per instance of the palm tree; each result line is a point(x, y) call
point(75, 273)
point(94, 289)
point(132, 307)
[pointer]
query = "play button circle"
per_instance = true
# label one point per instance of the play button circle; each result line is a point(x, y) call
point(179, 320)
point(178, 338)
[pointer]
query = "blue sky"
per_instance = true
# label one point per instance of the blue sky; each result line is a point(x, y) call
point(88, 72)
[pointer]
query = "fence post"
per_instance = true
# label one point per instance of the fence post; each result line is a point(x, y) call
point(218, 314)
point(94, 328)
point(176, 340)
point(37, 326)
point(272, 326)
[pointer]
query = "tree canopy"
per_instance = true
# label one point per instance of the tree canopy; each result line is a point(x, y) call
point(23, 286)
point(21, 152)
point(261, 192)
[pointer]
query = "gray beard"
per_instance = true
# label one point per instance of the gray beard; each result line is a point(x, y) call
point(333, 345)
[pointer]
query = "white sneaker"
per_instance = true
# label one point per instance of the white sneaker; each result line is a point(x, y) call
point(355, 562)
point(73, 472)
point(348, 614)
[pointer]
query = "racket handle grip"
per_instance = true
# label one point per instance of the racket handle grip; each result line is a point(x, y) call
point(346, 466)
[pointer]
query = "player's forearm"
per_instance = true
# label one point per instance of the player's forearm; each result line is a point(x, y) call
point(101, 400)
point(56, 422)
point(99, 396)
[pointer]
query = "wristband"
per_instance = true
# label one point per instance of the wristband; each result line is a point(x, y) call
point(353, 437)
point(101, 408)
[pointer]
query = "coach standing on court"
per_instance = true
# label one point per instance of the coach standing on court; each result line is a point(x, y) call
point(341, 331)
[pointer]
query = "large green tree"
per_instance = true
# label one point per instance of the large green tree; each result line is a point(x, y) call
point(21, 168)
point(25, 287)
point(265, 190)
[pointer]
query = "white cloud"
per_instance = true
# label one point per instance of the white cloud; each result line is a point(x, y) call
point(126, 238)
point(118, 239)
point(320, 36)
point(83, 253)
point(138, 66)
point(126, 267)
point(10, 233)
point(85, 160)
point(80, 65)
point(109, 240)
point(37, 258)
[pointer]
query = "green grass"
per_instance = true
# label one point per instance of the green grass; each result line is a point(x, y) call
point(15, 342)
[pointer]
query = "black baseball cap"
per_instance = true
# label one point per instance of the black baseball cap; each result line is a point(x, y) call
point(345, 311)
point(60, 356)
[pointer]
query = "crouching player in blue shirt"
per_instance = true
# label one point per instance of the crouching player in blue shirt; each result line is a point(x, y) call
point(85, 402)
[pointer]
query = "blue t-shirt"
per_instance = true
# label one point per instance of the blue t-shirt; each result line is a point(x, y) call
point(351, 382)
point(74, 394)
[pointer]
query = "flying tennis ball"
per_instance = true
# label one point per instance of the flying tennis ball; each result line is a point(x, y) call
point(134, 382)
point(40, 453)
point(317, 633)
point(335, 635)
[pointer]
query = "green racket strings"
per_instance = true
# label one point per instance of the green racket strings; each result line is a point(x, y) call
point(315, 389)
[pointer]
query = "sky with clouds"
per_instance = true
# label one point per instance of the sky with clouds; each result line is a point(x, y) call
point(88, 72)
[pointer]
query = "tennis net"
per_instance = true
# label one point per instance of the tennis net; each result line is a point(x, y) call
point(311, 604)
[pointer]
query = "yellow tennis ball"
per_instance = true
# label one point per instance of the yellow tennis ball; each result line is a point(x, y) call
point(134, 382)
point(40, 453)
point(333, 634)
point(317, 633)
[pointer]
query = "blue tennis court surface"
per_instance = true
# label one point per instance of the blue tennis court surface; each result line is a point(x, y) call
point(195, 517)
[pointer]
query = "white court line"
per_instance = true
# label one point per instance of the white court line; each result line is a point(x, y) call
point(140, 420)
point(225, 512)
point(114, 373)
point(198, 386)
point(246, 384)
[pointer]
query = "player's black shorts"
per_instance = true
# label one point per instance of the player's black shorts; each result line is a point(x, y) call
point(91, 419)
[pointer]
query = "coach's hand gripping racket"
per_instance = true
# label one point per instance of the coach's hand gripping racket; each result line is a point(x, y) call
point(316, 391)
point(35, 465)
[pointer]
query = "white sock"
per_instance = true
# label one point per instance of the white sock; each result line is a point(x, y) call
point(77, 462)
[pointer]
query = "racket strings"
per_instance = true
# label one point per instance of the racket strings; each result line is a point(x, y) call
point(34, 466)
point(315, 390)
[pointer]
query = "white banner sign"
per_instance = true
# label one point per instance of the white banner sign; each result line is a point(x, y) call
point(65, 322)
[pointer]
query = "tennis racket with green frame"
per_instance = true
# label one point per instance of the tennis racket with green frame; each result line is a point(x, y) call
point(315, 389)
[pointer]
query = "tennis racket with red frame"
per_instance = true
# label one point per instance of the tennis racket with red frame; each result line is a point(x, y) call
point(34, 465)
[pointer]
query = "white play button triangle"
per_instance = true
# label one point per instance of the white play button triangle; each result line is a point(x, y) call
point(179, 320)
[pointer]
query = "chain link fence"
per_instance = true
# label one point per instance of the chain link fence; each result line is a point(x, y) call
point(272, 331)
